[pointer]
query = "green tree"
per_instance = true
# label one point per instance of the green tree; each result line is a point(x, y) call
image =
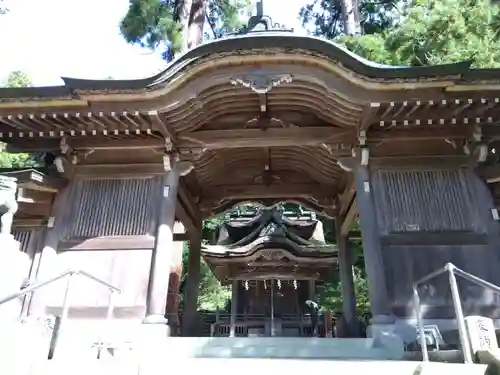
point(18, 79)
point(21, 160)
point(211, 293)
point(3, 9)
point(330, 295)
point(178, 25)
point(436, 32)
point(330, 18)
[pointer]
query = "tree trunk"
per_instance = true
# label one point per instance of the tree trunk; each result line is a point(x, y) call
point(196, 23)
point(350, 14)
point(184, 17)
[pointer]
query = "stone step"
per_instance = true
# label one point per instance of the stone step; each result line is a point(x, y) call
point(278, 347)
point(226, 347)
point(235, 366)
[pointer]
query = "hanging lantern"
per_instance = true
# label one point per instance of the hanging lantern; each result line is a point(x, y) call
point(246, 285)
point(279, 284)
point(265, 284)
point(295, 284)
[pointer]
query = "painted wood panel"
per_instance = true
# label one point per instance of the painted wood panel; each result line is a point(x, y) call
point(405, 264)
point(424, 201)
point(116, 207)
point(427, 219)
point(125, 269)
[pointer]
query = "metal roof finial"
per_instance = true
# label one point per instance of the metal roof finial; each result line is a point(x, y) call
point(260, 22)
point(260, 8)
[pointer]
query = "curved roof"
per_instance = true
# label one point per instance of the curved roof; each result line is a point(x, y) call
point(236, 45)
point(263, 116)
point(284, 41)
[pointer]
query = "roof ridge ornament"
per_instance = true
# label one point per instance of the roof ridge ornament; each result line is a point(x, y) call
point(261, 81)
point(262, 23)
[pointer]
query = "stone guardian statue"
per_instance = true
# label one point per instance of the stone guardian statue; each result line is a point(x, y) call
point(8, 204)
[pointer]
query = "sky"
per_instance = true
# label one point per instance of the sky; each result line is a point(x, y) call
point(50, 39)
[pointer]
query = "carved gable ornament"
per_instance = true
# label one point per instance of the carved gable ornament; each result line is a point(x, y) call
point(261, 82)
point(272, 255)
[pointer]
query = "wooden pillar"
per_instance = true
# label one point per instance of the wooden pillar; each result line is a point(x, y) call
point(59, 218)
point(174, 283)
point(379, 299)
point(234, 308)
point(347, 282)
point(190, 316)
point(312, 289)
point(160, 260)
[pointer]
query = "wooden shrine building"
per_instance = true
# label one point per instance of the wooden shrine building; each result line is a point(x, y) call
point(273, 260)
point(266, 116)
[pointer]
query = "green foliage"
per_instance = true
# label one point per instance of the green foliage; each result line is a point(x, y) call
point(17, 79)
point(326, 16)
point(435, 32)
point(330, 295)
point(153, 23)
point(7, 160)
point(227, 16)
point(211, 294)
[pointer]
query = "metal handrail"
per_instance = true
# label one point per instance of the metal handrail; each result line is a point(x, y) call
point(452, 270)
point(40, 284)
point(66, 304)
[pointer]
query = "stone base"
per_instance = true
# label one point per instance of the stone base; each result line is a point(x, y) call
point(14, 269)
point(406, 329)
point(155, 327)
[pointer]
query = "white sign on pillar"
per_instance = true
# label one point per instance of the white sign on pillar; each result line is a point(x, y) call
point(481, 332)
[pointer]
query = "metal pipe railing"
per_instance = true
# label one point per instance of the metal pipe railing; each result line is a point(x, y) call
point(452, 270)
point(67, 297)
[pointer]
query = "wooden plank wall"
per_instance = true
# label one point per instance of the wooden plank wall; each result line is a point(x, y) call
point(427, 218)
point(29, 243)
point(109, 233)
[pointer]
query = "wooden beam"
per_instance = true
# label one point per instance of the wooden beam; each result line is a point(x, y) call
point(215, 193)
point(187, 210)
point(182, 215)
point(25, 195)
point(119, 170)
point(347, 196)
point(354, 235)
point(271, 137)
point(490, 173)
point(160, 124)
point(181, 237)
point(20, 224)
point(402, 133)
point(367, 116)
point(84, 143)
point(349, 217)
point(418, 161)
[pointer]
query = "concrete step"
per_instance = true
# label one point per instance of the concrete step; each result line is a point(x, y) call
point(278, 347)
point(235, 366)
point(226, 347)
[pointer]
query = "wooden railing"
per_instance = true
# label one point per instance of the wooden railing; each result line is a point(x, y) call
point(302, 324)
